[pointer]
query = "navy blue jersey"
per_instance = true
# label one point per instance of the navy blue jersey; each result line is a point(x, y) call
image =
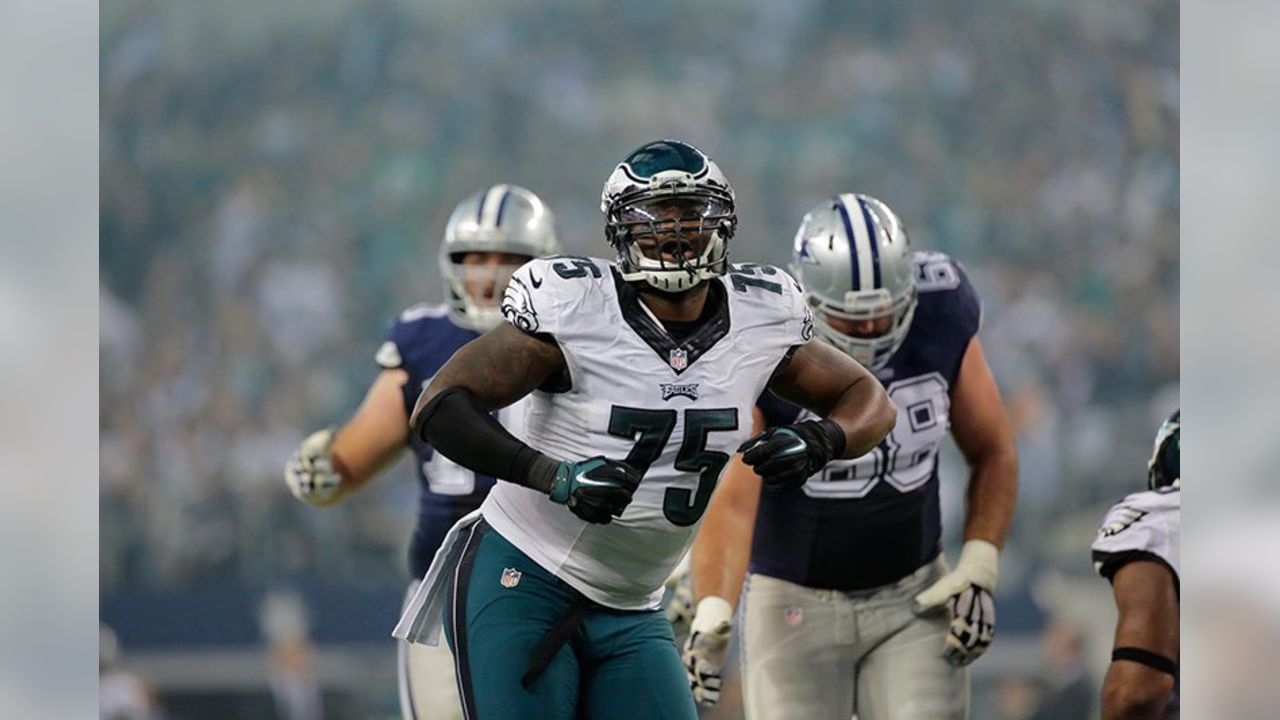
point(420, 341)
point(870, 521)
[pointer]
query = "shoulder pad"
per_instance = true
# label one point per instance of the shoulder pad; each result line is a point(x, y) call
point(774, 297)
point(543, 290)
point(415, 327)
point(935, 271)
point(945, 289)
point(1145, 525)
point(421, 311)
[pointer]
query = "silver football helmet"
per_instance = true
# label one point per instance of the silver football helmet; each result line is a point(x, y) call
point(669, 214)
point(853, 258)
point(501, 219)
point(1164, 469)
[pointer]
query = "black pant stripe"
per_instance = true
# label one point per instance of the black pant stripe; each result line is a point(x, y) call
point(461, 578)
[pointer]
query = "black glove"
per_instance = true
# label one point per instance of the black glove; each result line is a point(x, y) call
point(596, 489)
point(785, 456)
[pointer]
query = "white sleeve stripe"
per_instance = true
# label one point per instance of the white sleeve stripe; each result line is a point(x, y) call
point(491, 205)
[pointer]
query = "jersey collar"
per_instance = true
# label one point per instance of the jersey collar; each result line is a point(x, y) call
point(678, 355)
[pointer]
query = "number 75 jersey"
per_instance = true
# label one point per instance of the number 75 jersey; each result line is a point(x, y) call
point(676, 409)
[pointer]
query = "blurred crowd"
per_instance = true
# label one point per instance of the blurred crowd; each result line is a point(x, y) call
point(274, 180)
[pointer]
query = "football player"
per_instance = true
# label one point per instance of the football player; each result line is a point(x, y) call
point(488, 236)
point(642, 374)
point(850, 605)
point(1137, 550)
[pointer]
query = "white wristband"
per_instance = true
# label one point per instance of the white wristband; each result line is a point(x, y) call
point(712, 613)
point(980, 560)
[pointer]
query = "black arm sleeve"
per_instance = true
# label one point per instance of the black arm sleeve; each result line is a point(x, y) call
point(458, 426)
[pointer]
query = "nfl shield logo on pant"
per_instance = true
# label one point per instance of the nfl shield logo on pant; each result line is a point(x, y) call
point(510, 577)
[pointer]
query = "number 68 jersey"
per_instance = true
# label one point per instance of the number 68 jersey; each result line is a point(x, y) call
point(870, 521)
point(676, 409)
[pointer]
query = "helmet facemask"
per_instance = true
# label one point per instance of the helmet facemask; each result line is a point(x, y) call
point(873, 352)
point(672, 241)
point(1164, 469)
point(465, 282)
point(669, 214)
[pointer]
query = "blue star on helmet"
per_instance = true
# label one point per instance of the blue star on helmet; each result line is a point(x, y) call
point(803, 253)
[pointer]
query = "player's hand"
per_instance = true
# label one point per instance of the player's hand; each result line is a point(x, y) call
point(309, 473)
point(705, 650)
point(966, 593)
point(596, 489)
point(679, 608)
point(785, 456)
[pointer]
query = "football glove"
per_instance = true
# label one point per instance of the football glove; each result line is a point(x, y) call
point(966, 593)
point(596, 489)
point(679, 608)
point(785, 456)
point(309, 473)
point(705, 650)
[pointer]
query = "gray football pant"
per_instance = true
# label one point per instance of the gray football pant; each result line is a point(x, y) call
point(825, 654)
point(428, 682)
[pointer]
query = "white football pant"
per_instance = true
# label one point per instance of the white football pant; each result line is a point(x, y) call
point(826, 654)
point(428, 683)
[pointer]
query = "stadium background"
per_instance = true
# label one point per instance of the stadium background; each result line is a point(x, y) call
point(274, 180)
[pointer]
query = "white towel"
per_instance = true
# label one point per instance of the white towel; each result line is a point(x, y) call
point(420, 622)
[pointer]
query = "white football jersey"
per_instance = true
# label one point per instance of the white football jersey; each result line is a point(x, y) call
point(676, 409)
point(1143, 526)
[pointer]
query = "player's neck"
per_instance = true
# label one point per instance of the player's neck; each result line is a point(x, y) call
point(678, 307)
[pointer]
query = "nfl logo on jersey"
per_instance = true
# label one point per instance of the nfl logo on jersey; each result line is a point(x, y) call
point(679, 359)
point(510, 577)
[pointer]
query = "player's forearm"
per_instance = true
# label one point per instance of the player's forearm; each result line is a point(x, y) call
point(828, 383)
point(374, 436)
point(355, 475)
point(458, 426)
point(720, 555)
point(866, 414)
point(991, 497)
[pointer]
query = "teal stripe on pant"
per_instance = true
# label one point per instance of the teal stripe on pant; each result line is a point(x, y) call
point(619, 664)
